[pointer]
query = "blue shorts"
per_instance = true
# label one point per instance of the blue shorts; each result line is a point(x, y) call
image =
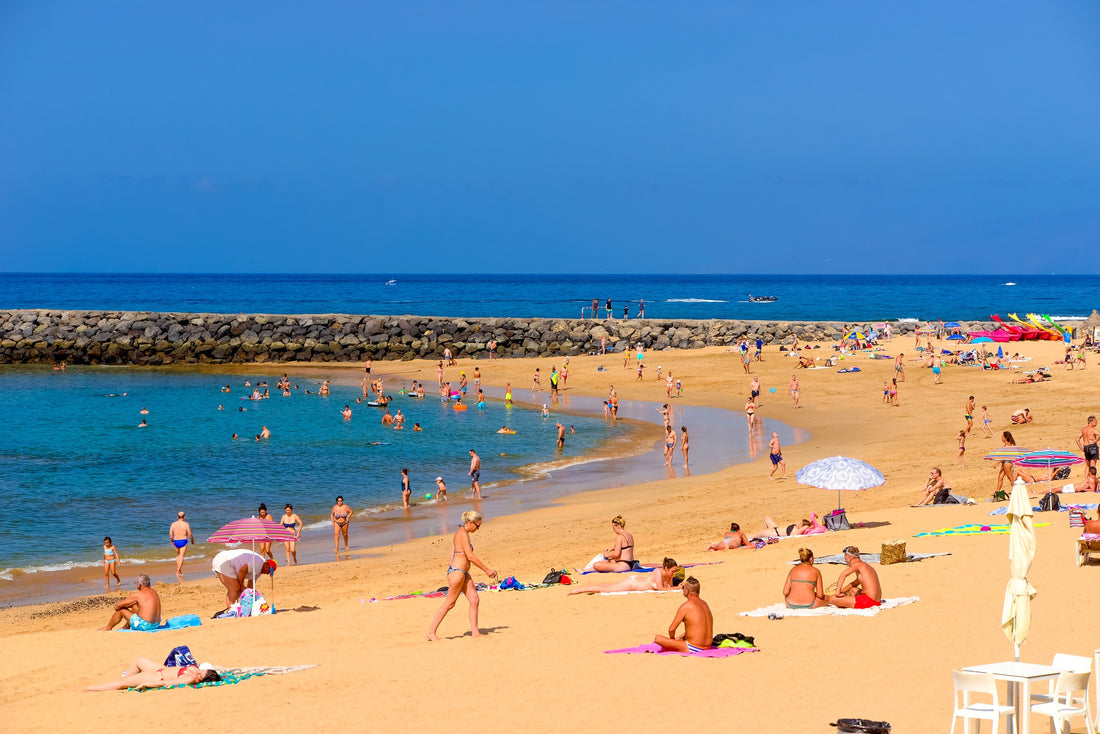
point(139, 624)
point(776, 458)
point(182, 542)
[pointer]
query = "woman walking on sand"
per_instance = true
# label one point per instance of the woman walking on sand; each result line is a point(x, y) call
point(684, 443)
point(110, 563)
point(962, 449)
point(458, 575)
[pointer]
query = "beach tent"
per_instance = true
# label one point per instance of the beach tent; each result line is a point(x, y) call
point(1091, 324)
point(1016, 615)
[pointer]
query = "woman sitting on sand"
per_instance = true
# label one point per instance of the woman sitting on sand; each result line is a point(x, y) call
point(459, 580)
point(620, 557)
point(809, 592)
point(734, 539)
point(659, 579)
point(144, 673)
point(771, 529)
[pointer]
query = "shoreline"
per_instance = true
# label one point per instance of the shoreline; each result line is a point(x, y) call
point(385, 526)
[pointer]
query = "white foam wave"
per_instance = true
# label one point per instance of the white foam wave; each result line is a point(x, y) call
point(693, 300)
point(908, 321)
point(1008, 283)
point(8, 573)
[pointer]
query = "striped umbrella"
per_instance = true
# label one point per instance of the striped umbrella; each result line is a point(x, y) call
point(1007, 453)
point(254, 530)
point(1049, 459)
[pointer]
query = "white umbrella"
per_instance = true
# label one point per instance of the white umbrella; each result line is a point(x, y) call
point(839, 473)
point(1016, 617)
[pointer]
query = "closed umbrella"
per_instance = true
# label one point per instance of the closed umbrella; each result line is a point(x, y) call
point(1016, 616)
point(254, 530)
point(840, 473)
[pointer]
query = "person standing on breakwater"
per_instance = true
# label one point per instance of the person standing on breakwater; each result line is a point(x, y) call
point(459, 580)
point(340, 517)
point(475, 475)
point(607, 307)
point(180, 534)
point(641, 308)
point(595, 307)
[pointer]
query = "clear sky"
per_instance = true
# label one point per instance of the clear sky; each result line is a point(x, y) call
point(594, 136)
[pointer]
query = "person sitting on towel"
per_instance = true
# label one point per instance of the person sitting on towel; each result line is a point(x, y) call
point(141, 610)
point(697, 619)
point(864, 591)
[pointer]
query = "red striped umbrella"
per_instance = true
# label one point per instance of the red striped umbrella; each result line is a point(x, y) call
point(254, 530)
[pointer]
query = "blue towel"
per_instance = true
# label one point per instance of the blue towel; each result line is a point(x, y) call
point(174, 623)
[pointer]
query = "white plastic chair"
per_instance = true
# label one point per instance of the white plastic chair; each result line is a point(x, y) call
point(983, 683)
point(1069, 664)
point(1066, 705)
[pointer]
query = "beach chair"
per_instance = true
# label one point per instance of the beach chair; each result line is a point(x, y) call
point(981, 683)
point(1068, 664)
point(1088, 545)
point(1067, 704)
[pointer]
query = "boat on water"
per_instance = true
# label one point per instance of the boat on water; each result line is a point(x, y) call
point(391, 282)
point(762, 299)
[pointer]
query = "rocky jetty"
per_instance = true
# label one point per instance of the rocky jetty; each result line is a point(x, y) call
point(147, 338)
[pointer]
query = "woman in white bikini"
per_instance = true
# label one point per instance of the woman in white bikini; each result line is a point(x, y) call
point(458, 575)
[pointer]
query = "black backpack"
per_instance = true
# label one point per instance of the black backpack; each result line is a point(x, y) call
point(1049, 503)
point(943, 497)
point(554, 577)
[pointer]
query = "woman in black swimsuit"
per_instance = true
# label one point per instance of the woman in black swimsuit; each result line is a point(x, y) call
point(620, 557)
point(458, 574)
point(291, 521)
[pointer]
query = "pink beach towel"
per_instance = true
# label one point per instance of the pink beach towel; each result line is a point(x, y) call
point(714, 652)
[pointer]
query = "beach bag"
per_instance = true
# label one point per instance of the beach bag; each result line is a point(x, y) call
point(1000, 495)
point(180, 657)
point(893, 551)
point(862, 725)
point(1076, 518)
point(837, 521)
point(1050, 503)
point(1062, 473)
point(944, 497)
point(554, 577)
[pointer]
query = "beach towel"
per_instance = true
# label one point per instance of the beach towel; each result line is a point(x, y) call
point(780, 610)
point(232, 676)
point(974, 529)
point(647, 569)
point(647, 591)
point(174, 623)
point(714, 652)
point(849, 369)
point(838, 558)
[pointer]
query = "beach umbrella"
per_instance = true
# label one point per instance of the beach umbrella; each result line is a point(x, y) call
point(957, 338)
point(1007, 453)
point(1049, 459)
point(840, 473)
point(925, 331)
point(979, 340)
point(952, 325)
point(1016, 615)
point(254, 530)
point(1000, 352)
point(857, 335)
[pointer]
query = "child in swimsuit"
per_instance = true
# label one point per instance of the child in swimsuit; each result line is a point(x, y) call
point(110, 563)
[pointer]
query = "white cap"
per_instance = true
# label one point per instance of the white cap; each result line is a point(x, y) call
point(439, 479)
point(206, 666)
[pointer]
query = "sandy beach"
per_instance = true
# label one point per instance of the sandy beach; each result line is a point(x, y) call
point(542, 665)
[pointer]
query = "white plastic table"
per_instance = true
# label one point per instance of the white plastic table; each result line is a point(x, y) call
point(1019, 677)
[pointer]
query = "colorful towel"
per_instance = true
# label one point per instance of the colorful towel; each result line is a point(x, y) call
point(780, 610)
point(870, 558)
point(228, 679)
point(647, 569)
point(974, 529)
point(714, 652)
point(174, 623)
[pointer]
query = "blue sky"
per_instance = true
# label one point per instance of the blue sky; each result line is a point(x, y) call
point(625, 137)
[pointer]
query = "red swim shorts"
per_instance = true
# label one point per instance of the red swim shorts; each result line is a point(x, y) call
point(865, 602)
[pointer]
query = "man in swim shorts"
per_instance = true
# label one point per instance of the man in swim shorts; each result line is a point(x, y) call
point(475, 475)
point(180, 535)
point(864, 591)
point(776, 455)
point(697, 619)
point(140, 610)
point(1086, 441)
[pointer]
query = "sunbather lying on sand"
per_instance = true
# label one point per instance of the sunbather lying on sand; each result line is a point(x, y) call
point(772, 530)
point(1088, 484)
point(144, 673)
point(734, 539)
point(659, 579)
point(1033, 377)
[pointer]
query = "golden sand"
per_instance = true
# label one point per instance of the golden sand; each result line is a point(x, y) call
point(541, 666)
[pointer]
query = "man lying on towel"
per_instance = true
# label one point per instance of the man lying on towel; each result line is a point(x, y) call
point(697, 619)
point(864, 591)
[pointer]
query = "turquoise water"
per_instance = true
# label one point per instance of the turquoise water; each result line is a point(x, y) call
point(74, 466)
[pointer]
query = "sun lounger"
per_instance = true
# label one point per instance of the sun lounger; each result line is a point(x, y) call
point(1087, 546)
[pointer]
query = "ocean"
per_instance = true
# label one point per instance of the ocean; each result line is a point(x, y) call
point(851, 298)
